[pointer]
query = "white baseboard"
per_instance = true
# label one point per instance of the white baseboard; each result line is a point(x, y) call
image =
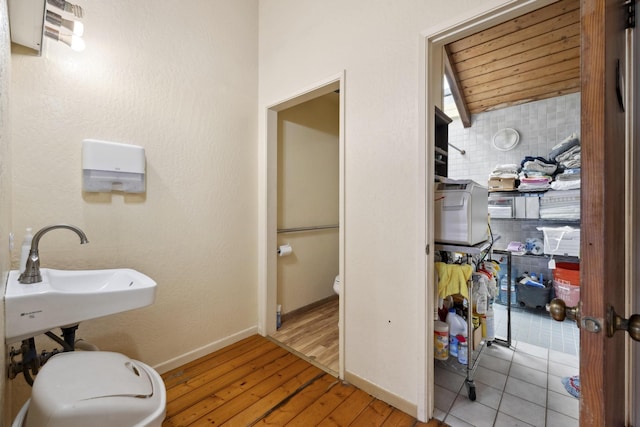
point(382, 394)
point(204, 350)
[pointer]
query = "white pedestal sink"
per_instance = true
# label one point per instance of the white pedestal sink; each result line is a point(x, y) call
point(66, 297)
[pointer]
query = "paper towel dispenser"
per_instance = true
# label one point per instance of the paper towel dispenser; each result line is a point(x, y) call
point(111, 166)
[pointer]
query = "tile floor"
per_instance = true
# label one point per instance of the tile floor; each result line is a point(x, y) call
point(538, 328)
point(516, 386)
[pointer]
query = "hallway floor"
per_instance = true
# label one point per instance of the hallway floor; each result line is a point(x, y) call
point(257, 382)
point(516, 386)
point(313, 335)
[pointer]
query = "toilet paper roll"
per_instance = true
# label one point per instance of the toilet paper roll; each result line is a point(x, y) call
point(285, 250)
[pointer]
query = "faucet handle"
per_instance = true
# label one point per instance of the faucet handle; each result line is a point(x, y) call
point(31, 273)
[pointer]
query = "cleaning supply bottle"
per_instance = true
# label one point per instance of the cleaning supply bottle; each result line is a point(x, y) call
point(463, 350)
point(457, 325)
point(490, 324)
point(440, 340)
point(481, 295)
point(24, 251)
point(453, 346)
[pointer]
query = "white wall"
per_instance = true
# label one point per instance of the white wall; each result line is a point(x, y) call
point(303, 42)
point(180, 80)
point(308, 175)
point(5, 184)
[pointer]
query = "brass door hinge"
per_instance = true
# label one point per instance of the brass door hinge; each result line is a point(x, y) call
point(630, 14)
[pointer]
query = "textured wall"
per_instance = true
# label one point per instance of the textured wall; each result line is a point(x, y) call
point(181, 81)
point(308, 175)
point(303, 42)
point(5, 182)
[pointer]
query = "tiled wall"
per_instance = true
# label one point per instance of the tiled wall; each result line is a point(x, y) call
point(541, 125)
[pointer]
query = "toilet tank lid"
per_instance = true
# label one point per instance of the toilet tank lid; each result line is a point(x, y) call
point(75, 376)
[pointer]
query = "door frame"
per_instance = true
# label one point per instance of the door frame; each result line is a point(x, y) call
point(633, 210)
point(432, 41)
point(268, 207)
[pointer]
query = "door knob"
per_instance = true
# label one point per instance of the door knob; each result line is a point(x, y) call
point(559, 311)
point(617, 323)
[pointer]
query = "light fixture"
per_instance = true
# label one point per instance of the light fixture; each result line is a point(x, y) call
point(75, 42)
point(58, 27)
point(67, 7)
point(76, 27)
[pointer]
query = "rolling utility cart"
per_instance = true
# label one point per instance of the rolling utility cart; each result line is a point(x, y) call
point(474, 348)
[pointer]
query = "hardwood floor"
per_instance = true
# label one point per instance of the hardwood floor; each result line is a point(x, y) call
point(313, 334)
point(257, 382)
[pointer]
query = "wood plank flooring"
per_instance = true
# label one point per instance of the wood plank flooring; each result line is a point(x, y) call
point(313, 334)
point(257, 382)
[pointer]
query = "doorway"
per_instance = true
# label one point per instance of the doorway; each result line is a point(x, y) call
point(603, 368)
point(435, 90)
point(308, 227)
point(285, 281)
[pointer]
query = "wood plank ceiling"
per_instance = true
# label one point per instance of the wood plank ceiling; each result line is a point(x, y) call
point(529, 58)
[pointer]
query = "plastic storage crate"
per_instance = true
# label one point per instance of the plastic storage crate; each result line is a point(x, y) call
point(532, 296)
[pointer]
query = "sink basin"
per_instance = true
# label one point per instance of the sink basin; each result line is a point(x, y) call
point(66, 297)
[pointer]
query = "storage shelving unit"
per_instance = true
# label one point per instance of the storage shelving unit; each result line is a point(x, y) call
point(474, 355)
point(517, 226)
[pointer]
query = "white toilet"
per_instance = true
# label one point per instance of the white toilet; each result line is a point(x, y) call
point(336, 285)
point(97, 389)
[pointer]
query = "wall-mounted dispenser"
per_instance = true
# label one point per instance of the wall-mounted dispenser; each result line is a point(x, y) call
point(111, 166)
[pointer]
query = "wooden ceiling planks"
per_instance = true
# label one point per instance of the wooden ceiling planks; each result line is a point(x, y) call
point(532, 57)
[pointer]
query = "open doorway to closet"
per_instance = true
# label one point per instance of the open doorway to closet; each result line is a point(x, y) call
point(515, 100)
point(516, 85)
point(304, 303)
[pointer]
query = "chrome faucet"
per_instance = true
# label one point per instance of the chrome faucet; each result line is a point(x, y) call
point(32, 270)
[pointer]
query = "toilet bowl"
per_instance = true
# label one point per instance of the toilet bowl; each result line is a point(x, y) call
point(97, 389)
point(336, 285)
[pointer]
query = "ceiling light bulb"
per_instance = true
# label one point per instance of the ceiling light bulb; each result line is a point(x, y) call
point(77, 28)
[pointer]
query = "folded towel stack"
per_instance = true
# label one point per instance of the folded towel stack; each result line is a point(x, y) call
point(539, 165)
point(567, 154)
point(570, 158)
point(566, 144)
point(534, 183)
point(561, 171)
point(567, 180)
point(505, 171)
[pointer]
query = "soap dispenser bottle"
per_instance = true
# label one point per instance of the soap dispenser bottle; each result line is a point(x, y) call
point(26, 248)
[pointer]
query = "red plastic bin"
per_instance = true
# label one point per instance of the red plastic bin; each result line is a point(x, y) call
point(567, 272)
